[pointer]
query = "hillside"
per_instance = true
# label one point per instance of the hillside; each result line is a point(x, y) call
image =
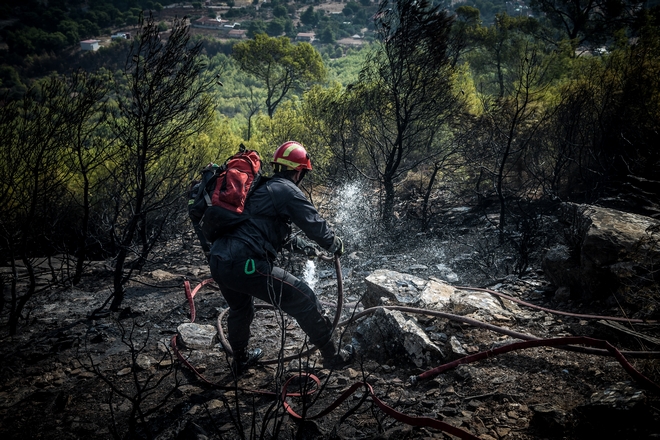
point(73, 375)
point(492, 181)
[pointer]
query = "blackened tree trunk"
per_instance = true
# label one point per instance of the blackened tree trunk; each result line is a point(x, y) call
point(406, 94)
point(168, 101)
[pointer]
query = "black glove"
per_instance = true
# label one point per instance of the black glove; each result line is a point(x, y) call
point(301, 246)
point(311, 250)
point(337, 247)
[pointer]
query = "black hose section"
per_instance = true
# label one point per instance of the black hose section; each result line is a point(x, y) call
point(340, 294)
point(557, 312)
point(338, 312)
point(221, 332)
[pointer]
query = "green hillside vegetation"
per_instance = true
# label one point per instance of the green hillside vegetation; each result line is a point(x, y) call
point(511, 113)
point(41, 38)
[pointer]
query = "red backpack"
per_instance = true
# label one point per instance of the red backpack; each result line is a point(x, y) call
point(216, 201)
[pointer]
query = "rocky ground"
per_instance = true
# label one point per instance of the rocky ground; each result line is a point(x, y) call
point(67, 375)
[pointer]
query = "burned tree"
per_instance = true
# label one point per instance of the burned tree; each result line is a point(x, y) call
point(406, 94)
point(88, 150)
point(589, 22)
point(146, 385)
point(506, 134)
point(167, 102)
point(33, 185)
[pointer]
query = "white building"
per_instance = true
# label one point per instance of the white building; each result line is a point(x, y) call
point(237, 33)
point(92, 45)
point(305, 36)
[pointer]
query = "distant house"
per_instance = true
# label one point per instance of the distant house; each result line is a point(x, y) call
point(92, 45)
point(305, 36)
point(237, 33)
point(208, 23)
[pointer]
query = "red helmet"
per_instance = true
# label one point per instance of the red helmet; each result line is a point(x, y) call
point(292, 155)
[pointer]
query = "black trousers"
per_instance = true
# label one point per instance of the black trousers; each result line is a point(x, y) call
point(242, 280)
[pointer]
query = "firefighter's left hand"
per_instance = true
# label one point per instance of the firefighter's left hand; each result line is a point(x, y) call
point(302, 246)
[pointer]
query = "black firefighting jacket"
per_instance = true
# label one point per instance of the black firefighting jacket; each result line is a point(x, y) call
point(272, 207)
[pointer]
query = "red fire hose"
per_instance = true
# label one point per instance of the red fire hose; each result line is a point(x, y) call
point(594, 346)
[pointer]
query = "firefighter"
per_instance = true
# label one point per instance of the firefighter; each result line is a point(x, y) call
point(242, 260)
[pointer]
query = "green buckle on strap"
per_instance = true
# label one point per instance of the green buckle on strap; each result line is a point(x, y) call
point(250, 267)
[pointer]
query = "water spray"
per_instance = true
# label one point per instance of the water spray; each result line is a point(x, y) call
point(310, 274)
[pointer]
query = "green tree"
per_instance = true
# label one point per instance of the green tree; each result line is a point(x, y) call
point(50, 17)
point(331, 120)
point(289, 29)
point(55, 41)
point(10, 82)
point(70, 30)
point(274, 28)
point(604, 131)
point(32, 40)
point(282, 67)
point(327, 36)
point(500, 47)
point(89, 28)
point(168, 102)
point(467, 23)
point(135, 11)
point(280, 11)
point(351, 8)
point(309, 17)
point(256, 27)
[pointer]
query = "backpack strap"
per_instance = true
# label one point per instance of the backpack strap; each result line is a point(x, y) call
point(207, 198)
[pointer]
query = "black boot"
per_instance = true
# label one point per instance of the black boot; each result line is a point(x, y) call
point(334, 359)
point(245, 358)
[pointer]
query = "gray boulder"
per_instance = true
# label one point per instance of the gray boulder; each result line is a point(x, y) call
point(388, 334)
point(390, 288)
point(609, 249)
point(615, 412)
point(561, 268)
point(387, 287)
point(197, 336)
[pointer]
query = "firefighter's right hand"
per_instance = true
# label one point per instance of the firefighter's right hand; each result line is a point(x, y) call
point(337, 247)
